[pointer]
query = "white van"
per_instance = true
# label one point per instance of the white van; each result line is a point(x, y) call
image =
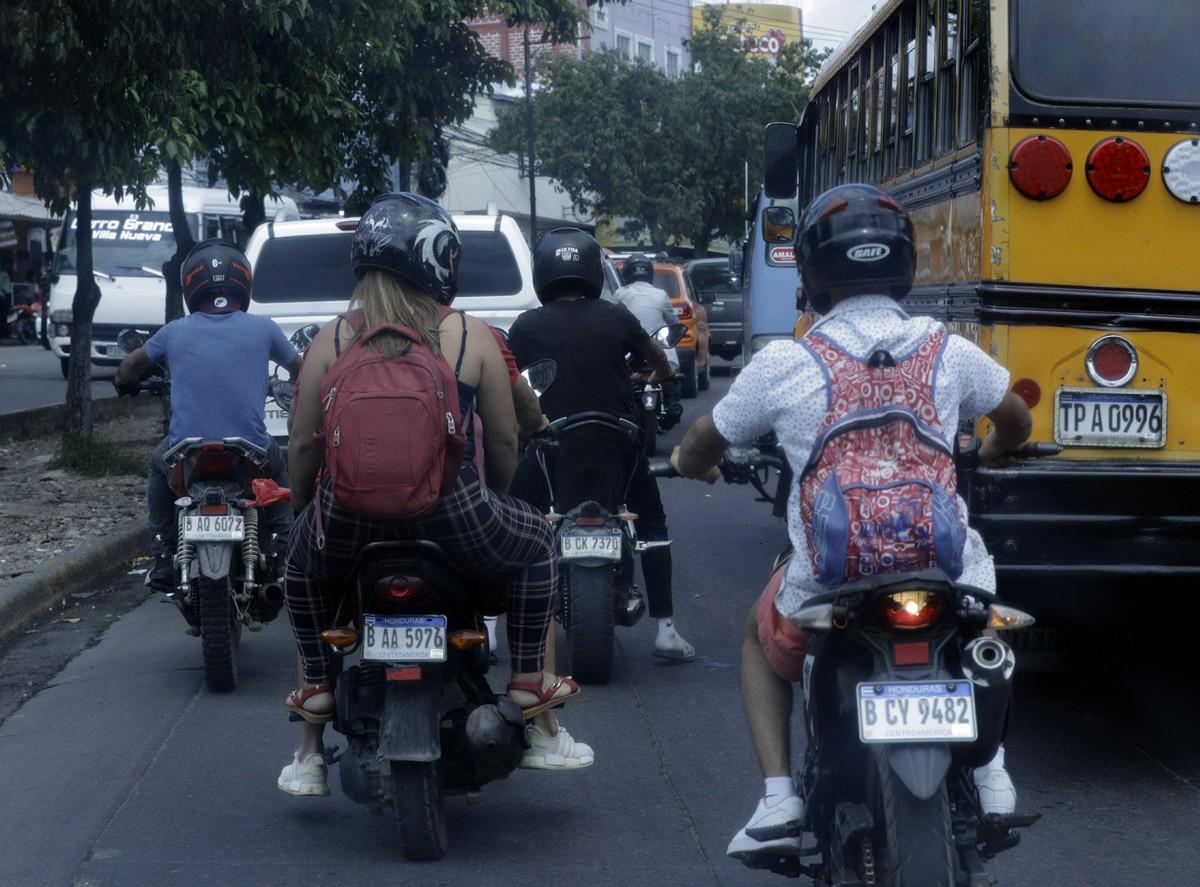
point(302, 275)
point(129, 247)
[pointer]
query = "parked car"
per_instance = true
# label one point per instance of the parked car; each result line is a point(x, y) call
point(302, 275)
point(692, 348)
point(719, 291)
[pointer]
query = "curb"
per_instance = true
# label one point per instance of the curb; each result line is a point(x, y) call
point(40, 421)
point(92, 562)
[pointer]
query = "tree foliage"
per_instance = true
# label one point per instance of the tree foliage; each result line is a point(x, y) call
point(668, 155)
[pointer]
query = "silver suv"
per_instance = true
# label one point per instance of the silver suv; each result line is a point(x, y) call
point(302, 275)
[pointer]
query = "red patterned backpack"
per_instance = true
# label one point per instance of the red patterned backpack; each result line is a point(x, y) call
point(878, 494)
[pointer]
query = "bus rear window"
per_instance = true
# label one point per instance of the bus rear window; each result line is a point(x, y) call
point(1104, 52)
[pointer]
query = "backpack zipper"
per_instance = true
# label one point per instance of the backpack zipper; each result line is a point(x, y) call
point(329, 398)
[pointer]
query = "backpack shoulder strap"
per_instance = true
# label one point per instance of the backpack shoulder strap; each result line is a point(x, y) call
point(462, 348)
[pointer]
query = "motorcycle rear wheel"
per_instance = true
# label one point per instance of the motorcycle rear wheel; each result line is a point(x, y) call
point(590, 629)
point(914, 838)
point(650, 432)
point(420, 808)
point(26, 333)
point(220, 634)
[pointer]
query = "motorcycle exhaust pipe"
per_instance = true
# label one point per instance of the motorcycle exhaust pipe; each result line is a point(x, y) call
point(496, 736)
point(988, 663)
point(269, 598)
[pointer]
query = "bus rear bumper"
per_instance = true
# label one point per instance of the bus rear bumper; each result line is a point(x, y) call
point(1058, 520)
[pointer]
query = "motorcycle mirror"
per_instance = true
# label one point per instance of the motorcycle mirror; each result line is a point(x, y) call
point(669, 335)
point(540, 375)
point(130, 340)
point(303, 337)
point(282, 391)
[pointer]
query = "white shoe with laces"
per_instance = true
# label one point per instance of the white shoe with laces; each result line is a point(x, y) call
point(773, 829)
point(557, 752)
point(307, 778)
point(997, 794)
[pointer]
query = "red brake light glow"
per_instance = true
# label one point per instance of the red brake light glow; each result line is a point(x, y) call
point(1118, 169)
point(912, 609)
point(582, 521)
point(399, 589)
point(1111, 361)
point(1029, 391)
point(684, 311)
point(1040, 167)
point(214, 459)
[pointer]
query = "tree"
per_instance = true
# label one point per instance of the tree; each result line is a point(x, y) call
point(77, 82)
point(624, 140)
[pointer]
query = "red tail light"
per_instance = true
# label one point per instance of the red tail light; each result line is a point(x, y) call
point(214, 509)
point(1111, 361)
point(910, 610)
point(684, 311)
point(589, 521)
point(1118, 169)
point(215, 459)
point(399, 589)
point(1029, 391)
point(1040, 167)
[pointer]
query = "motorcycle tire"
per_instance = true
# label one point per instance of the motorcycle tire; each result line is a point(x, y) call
point(914, 844)
point(220, 634)
point(592, 617)
point(702, 378)
point(420, 808)
point(650, 432)
point(690, 383)
point(26, 334)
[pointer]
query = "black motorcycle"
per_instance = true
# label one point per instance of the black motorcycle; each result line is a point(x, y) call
point(412, 698)
point(660, 412)
point(904, 696)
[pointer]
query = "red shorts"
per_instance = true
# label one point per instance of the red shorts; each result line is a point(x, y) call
point(781, 641)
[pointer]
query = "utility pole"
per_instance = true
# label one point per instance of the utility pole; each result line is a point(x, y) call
point(529, 139)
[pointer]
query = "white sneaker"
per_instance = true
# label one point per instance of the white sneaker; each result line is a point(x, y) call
point(305, 778)
point(996, 791)
point(773, 829)
point(558, 752)
point(669, 643)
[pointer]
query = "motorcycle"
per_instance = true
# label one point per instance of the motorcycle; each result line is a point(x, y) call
point(657, 415)
point(22, 322)
point(594, 456)
point(225, 560)
point(412, 698)
point(905, 695)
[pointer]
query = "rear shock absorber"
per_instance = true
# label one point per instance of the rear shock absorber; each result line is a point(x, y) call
point(250, 545)
point(184, 552)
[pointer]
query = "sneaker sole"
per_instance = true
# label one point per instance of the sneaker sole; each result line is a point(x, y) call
point(542, 763)
point(775, 832)
point(303, 790)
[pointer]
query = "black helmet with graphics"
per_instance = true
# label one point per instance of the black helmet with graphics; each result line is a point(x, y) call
point(638, 267)
point(215, 269)
point(854, 237)
point(412, 237)
point(567, 259)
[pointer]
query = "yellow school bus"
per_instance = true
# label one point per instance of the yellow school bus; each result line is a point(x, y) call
point(1049, 153)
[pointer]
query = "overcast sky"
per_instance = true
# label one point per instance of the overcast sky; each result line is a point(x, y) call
point(828, 22)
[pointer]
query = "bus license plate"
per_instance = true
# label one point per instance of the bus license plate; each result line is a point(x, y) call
point(213, 527)
point(606, 545)
point(916, 712)
point(1091, 417)
point(404, 638)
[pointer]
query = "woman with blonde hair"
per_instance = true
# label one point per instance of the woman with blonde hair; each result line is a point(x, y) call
point(405, 255)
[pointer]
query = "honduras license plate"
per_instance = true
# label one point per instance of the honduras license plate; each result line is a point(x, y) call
point(1099, 417)
point(404, 638)
point(605, 544)
point(213, 527)
point(907, 711)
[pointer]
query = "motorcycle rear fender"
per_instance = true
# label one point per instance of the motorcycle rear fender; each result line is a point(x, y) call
point(412, 716)
point(214, 559)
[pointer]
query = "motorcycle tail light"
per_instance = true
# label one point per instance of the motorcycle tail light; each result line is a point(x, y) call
point(214, 509)
point(399, 589)
point(214, 459)
point(589, 521)
point(912, 609)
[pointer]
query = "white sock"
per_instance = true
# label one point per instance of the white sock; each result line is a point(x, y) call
point(778, 788)
point(666, 626)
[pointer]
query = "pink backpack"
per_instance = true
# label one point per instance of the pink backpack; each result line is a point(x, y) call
point(393, 433)
point(878, 494)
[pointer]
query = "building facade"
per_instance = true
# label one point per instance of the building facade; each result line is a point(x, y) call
point(656, 31)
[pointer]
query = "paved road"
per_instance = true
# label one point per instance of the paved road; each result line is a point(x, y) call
point(30, 376)
point(124, 772)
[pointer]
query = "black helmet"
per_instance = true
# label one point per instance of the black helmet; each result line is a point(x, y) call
point(564, 259)
point(216, 269)
point(413, 238)
point(638, 267)
point(854, 236)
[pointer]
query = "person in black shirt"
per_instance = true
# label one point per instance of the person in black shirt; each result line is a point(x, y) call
point(589, 339)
